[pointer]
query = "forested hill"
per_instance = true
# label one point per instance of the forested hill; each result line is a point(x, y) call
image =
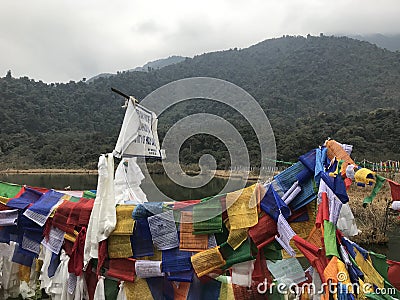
point(310, 88)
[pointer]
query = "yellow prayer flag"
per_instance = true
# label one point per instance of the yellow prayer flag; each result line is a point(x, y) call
point(241, 212)
point(206, 261)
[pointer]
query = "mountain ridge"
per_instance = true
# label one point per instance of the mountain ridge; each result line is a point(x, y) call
point(390, 42)
point(151, 65)
point(310, 88)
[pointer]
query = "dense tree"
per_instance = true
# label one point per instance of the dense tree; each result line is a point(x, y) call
point(310, 88)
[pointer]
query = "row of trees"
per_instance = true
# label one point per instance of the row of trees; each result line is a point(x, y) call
point(310, 88)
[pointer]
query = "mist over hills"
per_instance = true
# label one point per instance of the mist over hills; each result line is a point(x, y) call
point(390, 42)
point(147, 67)
point(160, 63)
point(310, 88)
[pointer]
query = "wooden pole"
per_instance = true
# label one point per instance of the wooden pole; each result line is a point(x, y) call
point(120, 93)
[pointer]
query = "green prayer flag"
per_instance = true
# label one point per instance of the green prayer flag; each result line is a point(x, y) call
point(390, 287)
point(330, 239)
point(9, 190)
point(378, 297)
point(378, 185)
point(222, 237)
point(74, 199)
point(241, 254)
point(207, 216)
point(111, 289)
point(276, 295)
point(380, 264)
point(89, 195)
point(273, 251)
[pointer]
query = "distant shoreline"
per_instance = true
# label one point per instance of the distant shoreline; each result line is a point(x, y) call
point(218, 173)
point(48, 171)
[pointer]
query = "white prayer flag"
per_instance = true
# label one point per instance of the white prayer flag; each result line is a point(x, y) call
point(8, 217)
point(56, 240)
point(148, 268)
point(138, 135)
point(163, 230)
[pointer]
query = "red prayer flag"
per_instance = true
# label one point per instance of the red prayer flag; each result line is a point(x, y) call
point(102, 256)
point(122, 268)
point(347, 183)
point(314, 255)
point(75, 264)
point(263, 232)
point(261, 271)
point(394, 273)
point(91, 280)
point(323, 210)
point(394, 189)
point(61, 216)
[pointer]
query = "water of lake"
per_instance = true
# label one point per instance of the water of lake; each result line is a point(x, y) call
point(89, 182)
point(170, 189)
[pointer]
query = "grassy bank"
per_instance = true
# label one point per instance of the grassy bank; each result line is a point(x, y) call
point(193, 169)
point(377, 219)
point(48, 171)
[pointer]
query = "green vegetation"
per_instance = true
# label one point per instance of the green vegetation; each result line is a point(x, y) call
point(310, 88)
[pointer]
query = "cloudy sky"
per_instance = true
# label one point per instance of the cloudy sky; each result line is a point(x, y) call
point(58, 41)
